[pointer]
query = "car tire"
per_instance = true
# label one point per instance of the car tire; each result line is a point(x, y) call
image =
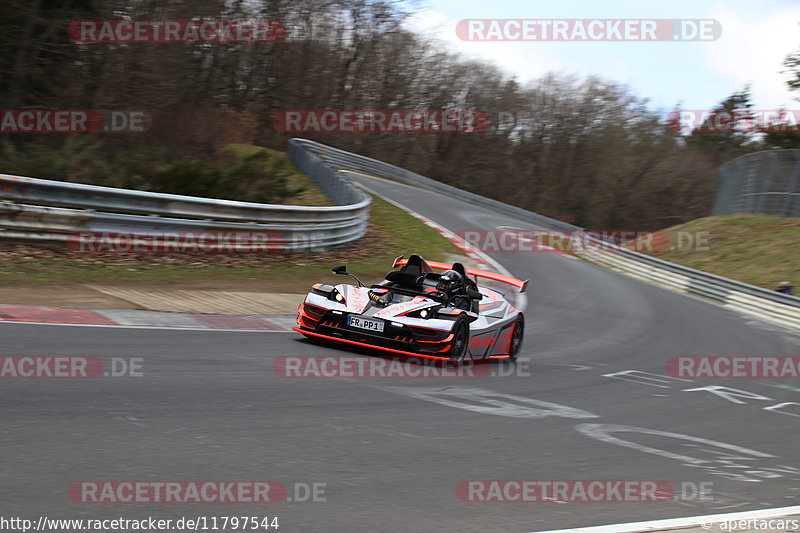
point(460, 344)
point(517, 336)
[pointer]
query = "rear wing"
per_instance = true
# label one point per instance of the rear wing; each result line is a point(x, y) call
point(521, 285)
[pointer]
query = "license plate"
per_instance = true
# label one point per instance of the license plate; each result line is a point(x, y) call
point(365, 323)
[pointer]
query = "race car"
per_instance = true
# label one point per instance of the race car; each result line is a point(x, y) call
point(417, 312)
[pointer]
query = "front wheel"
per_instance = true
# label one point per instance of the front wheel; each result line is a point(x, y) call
point(517, 337)
point(458, 347)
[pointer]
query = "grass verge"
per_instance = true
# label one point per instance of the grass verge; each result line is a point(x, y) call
point(304, 191)
point(756, 249)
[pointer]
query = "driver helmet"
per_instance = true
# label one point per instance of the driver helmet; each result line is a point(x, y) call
point(449, 281)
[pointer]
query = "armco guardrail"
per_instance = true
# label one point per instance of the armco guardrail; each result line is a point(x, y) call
point(356, 163)
point(53, 212)
point(756, 301)
point(762, 303)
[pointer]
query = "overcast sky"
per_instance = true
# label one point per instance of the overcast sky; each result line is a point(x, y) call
point(756, 37)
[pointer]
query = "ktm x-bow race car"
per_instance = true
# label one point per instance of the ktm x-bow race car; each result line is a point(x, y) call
point(418, 312)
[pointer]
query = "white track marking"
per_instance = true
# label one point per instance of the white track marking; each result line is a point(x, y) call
point(491, 403)
point(124, 326)
point(605, 433)
point(689, 521)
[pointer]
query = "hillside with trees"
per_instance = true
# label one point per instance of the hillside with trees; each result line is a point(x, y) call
point(584, 150)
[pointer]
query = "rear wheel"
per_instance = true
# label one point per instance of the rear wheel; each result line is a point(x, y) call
point(517, 337)
point(458, 346)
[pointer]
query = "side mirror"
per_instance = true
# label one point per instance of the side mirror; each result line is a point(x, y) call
point(342, 269)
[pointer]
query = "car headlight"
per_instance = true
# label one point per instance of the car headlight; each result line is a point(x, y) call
point(428, 312)
point(336, 296)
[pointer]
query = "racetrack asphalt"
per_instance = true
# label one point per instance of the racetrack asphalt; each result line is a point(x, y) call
point(391, 452)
